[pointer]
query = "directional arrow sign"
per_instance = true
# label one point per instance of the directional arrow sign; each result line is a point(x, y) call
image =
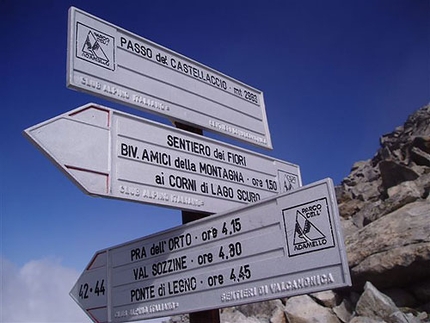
point(113, 154)
point(113, 63)
point(285, 245)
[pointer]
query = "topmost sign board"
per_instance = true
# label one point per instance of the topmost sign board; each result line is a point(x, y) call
point(116, 64)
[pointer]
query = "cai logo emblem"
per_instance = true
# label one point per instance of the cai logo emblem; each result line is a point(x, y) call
point(95, 46)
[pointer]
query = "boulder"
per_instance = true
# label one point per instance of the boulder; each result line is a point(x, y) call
point(344, 311)
point(232, 315)
point(303, 309)
point(364, 319)
point(393, 173)
point(377, 306)
point(326, 298)
point(393, 250)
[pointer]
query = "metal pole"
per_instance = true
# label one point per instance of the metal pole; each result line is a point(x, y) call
point(209, 316)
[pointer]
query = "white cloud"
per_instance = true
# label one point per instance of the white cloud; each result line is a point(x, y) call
point(39, 292)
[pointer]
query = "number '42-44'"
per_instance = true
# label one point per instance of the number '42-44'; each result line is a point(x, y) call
point(85, 290)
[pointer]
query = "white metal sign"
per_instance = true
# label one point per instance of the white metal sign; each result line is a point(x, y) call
point(285, 245)
point(111, 62)
point(114, 154)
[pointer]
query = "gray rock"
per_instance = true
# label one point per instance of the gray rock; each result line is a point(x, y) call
point(261, 310)
point(394, 173)
point(326, 298)
point(178, 319)
point(402, 194)
point(278, 316)
point(303, 309)
point(393, 250)
point(344, 311)
point(364, 319)
point(369, 213)
point(349, 207)
point(420, 157)
point(348, 227)
point(232, 315)
point(377, 306)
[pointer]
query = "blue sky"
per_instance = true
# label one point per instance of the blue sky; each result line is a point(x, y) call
point(336, 75)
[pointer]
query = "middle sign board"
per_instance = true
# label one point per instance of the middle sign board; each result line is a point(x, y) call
point(116, 64)
point(113, 154)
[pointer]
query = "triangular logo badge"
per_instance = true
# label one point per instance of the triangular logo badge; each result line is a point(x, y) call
point(92, 47)
point(305, 231)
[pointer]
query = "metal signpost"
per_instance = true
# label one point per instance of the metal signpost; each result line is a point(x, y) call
point(111, 62)
point(118, 155)
point(270, 238)
point(282, 246)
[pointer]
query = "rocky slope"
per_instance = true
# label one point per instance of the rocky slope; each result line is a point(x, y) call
point(385, 209)
point(384, 205)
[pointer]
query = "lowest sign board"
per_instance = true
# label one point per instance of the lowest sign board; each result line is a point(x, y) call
point(285, 245)
point(114, 154)
point(116, 64)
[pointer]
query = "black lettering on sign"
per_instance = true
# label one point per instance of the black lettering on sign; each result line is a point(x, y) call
point(156, 157)
point(142, 293)
point(135, 47)
point(158, 248)
point(222, 190)
point(185, 163)
point(188, 145)
point(247, 196)
point(129, 151)
point(180, 241)
point(182, 285)
point(236, 159)
point(140, 273)
point(311, 211)
point(221, 172)
point(184, 183)
point(169, 266)
point(137, 253)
